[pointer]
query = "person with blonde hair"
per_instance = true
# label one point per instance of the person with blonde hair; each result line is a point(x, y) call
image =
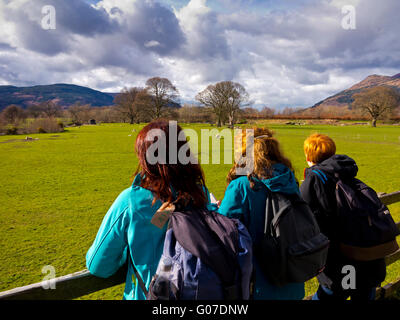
point(318, 190)
point(245, 199)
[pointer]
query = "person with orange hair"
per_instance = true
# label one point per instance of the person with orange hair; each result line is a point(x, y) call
point(318, 190)
point(318, 147)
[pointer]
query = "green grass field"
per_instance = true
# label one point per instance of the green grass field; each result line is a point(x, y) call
point(55, 191)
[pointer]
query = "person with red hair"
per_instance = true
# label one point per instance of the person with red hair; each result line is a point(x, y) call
point(318, 190)
point(318, 147)
point(127, 233)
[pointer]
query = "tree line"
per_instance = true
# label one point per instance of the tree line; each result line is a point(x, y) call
point(228, 102)
point(223, 103)
point(156, 99)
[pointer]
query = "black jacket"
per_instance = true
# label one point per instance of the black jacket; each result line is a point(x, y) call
point(318, 190)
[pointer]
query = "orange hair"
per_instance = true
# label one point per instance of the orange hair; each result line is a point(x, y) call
point(319, 147)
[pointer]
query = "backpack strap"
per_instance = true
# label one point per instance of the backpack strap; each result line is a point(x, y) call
point(270, 209)
point(268, 212)
point(321, 175)
point(138, 277)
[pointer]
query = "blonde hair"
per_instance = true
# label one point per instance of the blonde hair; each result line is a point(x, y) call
point(319, 147)
point(267, 152)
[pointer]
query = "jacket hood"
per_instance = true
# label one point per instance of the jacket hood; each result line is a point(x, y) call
point(343, 165)
point(283, 180)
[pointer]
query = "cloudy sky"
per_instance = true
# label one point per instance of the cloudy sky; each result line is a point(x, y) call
point(285, 52)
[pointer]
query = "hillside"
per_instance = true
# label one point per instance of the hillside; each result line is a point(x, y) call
point(345, 97)
point(65, 94)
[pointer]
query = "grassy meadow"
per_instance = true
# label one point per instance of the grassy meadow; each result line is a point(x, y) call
point(55, 191)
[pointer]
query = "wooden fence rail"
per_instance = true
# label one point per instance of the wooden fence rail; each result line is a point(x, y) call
point(82, 283)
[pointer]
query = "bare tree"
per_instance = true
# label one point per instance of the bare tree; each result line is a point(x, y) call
point(35, 110)
point(237, 99)
point(211, 97)
point(163, 95)
point(145, 107)
point(50, 108)
point(80, 113)
point(226, 98)
point(376, 102)
point(12, 114)
point(131, 103)
point(74, 112)
point(267, 112)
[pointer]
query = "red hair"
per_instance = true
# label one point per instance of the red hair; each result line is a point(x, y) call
point(169, 182)
point(319, 147)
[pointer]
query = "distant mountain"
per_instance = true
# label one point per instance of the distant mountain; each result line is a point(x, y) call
point(64, 94)
point(345, 97)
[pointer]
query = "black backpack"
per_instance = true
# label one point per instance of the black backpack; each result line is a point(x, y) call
point(366, 228)
point(293, 249)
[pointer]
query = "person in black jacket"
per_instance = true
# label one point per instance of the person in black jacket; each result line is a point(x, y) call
point(318, 190)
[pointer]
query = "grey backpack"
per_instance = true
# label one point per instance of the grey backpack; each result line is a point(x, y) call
point(206, 256)
point(293, 249)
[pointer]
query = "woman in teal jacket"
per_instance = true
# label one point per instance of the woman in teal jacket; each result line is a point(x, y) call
point(126, 233)
point(245, 199)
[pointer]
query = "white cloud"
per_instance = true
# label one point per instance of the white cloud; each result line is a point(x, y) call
point(152, 43)
point(295, 56)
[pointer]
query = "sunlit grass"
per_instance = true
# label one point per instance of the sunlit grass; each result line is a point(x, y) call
point(55, 191)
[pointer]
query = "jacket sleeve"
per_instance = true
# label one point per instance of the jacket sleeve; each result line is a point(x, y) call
point(109, 250)
point(234, 204)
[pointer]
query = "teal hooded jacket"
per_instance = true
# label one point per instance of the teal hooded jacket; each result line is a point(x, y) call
point(248, 205)
point(126, 230)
